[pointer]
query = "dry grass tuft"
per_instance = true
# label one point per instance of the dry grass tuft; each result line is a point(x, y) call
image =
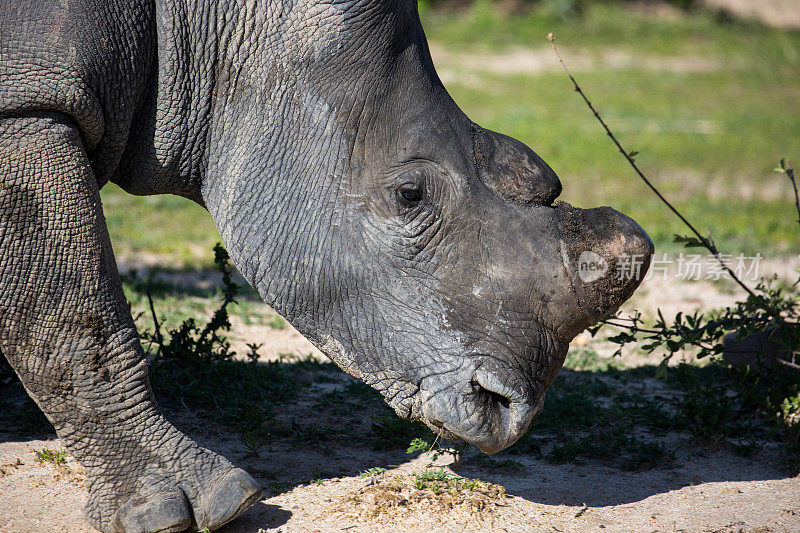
point(430, 492)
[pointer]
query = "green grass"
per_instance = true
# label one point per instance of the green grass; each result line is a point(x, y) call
point(701, 133)
point(54, 457)
point(374, 471)
point(162, 225)
point(603, 25)
point(439, 480)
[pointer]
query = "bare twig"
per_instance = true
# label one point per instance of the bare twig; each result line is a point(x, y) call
point(787, 363)
point(707, 243)
point(608, 321)
point(786, 168)
point(438, 436)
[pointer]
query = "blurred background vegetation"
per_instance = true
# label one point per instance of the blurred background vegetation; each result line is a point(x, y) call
point(710, 101)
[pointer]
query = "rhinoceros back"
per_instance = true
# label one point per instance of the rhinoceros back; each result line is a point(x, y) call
point(85, 59)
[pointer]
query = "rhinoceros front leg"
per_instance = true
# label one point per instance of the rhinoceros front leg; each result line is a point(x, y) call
point(66, 329)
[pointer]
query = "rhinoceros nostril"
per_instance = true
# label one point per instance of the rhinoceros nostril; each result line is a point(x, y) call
point(489, 387)
point(495, 398)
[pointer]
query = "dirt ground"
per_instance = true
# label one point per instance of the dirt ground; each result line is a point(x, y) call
point(717, 493)
point(781, 13)
point(711, 489)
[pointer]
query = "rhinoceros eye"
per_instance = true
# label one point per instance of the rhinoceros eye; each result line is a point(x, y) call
point(409, 194)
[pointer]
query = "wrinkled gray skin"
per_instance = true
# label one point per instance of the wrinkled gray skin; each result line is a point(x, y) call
point(418, 250)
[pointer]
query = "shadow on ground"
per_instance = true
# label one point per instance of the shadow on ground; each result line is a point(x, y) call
point(607, 436)
point(600, 486)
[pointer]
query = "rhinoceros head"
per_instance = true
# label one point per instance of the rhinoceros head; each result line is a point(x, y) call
point(421, 252)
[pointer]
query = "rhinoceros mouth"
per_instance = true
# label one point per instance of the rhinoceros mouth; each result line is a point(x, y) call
point(501, 423)
point(491, 405)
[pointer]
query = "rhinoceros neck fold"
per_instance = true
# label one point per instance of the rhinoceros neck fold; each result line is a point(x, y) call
point(276, 97)
point(273, 187)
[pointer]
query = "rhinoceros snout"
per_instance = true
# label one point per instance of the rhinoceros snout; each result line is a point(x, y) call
point(512, 410)
point(492, 410)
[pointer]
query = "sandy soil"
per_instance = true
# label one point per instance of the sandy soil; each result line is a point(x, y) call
point(711, 490)
point(781, 13)
point(716, 492)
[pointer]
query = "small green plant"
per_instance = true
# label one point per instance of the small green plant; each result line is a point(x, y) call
point(419, 445)
point(439, 480)
point(54, 457)
point(254, 442)
point(790, 409)
point(317, 479)
point(252, 354)
point(374, 471)
point(190, 340)
point(432, 479)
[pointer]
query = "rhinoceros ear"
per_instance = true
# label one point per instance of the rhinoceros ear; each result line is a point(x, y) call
point(512, 170)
